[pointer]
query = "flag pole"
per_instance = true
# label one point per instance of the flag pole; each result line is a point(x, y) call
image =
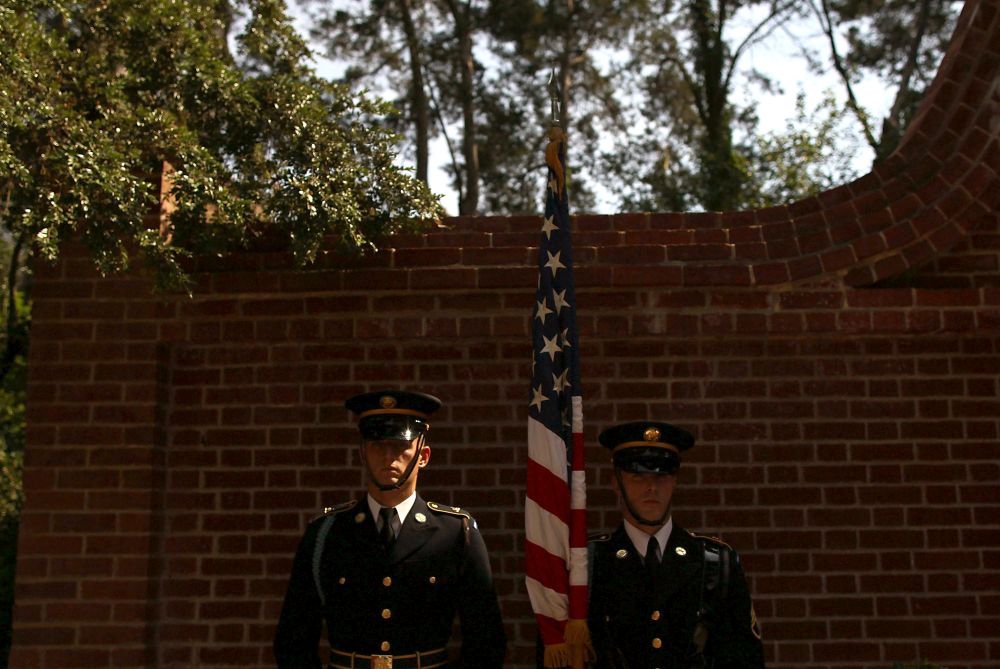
point(577, 633)
point(555, 522)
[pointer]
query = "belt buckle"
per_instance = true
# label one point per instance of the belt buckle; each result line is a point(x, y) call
point(381, 661)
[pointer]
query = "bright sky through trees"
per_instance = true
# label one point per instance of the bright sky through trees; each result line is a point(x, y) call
point(779, 57)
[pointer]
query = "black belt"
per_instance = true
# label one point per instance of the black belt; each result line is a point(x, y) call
point(422, 660)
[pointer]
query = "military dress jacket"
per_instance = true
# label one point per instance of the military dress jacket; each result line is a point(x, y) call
point(390, 602)
point(643, 620)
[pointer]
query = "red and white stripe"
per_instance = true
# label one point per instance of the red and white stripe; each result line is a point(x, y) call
point(555, 527)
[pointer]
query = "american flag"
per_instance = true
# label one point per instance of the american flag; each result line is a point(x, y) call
point(555, 506)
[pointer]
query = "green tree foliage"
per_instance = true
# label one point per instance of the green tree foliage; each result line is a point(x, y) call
point(812, 153)
point(103, 99)
point(10, 487)
point(802, 159)
point(574, 43)
point(694, 151)
point(474, 75)
point(388, 44)
point(695, 146)
point(659, 96)
point(900, 41)
point(100, 95)
point(425, 52)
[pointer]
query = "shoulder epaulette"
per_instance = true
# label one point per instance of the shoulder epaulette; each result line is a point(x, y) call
point(599, 537)
point(714, 540)
point(335, 509)
point(451, 510)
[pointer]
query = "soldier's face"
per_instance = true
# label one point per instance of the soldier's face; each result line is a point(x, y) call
point(388, 459)
point(648, 494)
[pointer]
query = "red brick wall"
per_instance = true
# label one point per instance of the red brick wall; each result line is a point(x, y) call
point(838, 359)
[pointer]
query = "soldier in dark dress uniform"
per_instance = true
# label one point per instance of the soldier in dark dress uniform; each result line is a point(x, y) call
point(660, 596)
point(389, 572)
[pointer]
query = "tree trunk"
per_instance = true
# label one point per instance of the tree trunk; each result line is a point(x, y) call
point(419, 108)
point(721, 177)
point(892, 124)
point(462, 14)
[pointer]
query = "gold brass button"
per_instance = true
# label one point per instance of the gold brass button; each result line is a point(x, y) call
point(657, 643)
point(656, 615)
point(342, 580)
point(387, 581)
point(385, 646)
point(386, 614)
point(433, 579)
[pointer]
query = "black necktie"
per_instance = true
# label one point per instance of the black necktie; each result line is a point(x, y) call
point(386, 535)
point(652, 559)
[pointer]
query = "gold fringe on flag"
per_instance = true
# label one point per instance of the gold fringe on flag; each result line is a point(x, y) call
point(580, 646)
point(576, 652)
point(556, 655)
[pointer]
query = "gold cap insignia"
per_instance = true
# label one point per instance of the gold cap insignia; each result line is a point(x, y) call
point(651, 434)
point(421, 518)
point(621, 554)
point(387, 402)
point(680, 551)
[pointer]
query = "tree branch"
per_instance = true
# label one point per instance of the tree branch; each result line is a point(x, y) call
point(826, 24)
point(689, 81)
point(444, 131)
point(758, 34)
point(892, 124)
point(387, 61)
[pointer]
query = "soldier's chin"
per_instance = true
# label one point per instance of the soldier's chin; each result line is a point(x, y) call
point(382, 480)
point(651, 519)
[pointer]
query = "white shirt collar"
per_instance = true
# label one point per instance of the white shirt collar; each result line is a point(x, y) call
point(641, 540)
point(402, 509)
